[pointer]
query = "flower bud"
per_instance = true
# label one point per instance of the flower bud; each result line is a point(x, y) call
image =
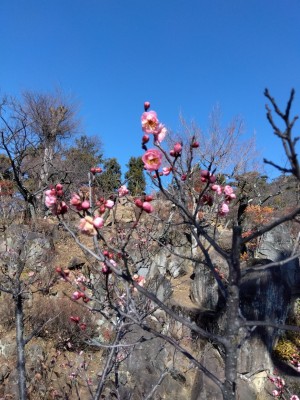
point(74, 319)
point(85, 205)
point(177, 148)
point(148, 197)
point(138, 203)
point(145, 139)
point(147, 207)
point(195, 145)
point(146, 105)
point(98, 222)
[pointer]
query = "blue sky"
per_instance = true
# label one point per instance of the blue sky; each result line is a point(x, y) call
point(181, 55)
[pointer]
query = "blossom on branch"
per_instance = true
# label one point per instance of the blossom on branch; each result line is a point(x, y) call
point(152, 159)
point(87, 227)
point(123, 191)
point(150, 122)
point(223, 210)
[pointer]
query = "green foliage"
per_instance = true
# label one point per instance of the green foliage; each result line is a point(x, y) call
point(86, 153)
point(135, 176)
point(110, 179)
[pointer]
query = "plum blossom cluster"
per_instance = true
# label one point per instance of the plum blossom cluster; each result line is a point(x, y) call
point(151, 125)
point(140, 280)
point(53, 200)
point(76, 320)
point(295, 361)
point(123, 191)
point(105, 266)
point(145, 203)
point(225, 191)
point(280, 387)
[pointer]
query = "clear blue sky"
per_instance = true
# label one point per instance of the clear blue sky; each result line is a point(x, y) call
point(181, 55)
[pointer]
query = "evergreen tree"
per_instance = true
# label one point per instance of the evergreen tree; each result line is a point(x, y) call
point(135, 176)
point(86, 153)
point(110, 179)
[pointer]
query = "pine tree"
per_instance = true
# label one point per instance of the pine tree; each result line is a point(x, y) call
point(135, 176)
point(110, 179)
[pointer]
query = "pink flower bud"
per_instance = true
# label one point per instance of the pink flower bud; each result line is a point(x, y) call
point(145, 139)
point(148, 197)
point(146, 105)
point(93, 170)
point(147, 207)
point(82, 326)
point(166, 170)
point(85, 205)
point(77, 295)
point(177, 148)
point(183, 177)
point(75, 319)
point(109, 204)
point(59, 186)
point(195, 145)
point(98, 222)
point(212, 179)
point(106, 270)
point(138, 203)
point(59, 192)
point(172, 153)
point(204, 173)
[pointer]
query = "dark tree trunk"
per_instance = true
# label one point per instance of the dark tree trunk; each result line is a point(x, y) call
point(20, 345)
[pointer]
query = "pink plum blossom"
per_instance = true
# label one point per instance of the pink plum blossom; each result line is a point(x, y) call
point(152, 159)
point(275, 393)
point(75, 200)
point(50, 199)
point(223, 210)
point(166, 170)
point(150, 123)
point(294, 397)
point(159, 137)
point(109, 204)
point(217, 189)
point(86, 226)
point(77, 295)
point(123, 191)
point(98, 222)
point(228, 190)
point(229, 195)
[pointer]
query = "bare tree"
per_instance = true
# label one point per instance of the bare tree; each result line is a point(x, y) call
point(31, 131)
